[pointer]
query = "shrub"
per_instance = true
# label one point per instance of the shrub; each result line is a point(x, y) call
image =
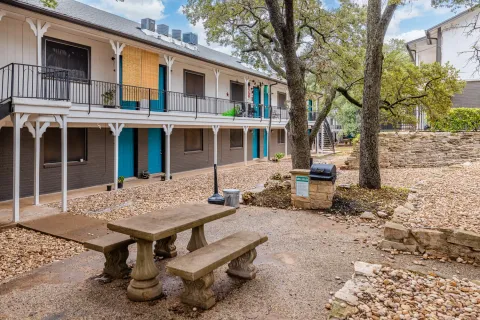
point(279, 155)
point(232, 112)
point(458, 119)
point(356, 139)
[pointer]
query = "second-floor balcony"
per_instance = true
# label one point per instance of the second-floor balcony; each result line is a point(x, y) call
point(35, 82)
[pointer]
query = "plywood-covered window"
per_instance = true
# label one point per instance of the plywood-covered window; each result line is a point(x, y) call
point(193, 140)
point(236, 138)
point(76, 145)
point(281, 136)
point(281, 99)
point(69, 56)
point(194, 83)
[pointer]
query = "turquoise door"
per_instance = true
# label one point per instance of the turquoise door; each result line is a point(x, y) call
point(154, 150)
point(265, 142)
point(126, 153)
point(255, 144)
point(265, 102)
point(158, 104)
point(310, 109)
point(128, 99)
point(256, 102)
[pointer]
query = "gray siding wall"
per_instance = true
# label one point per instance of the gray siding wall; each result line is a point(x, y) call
point(278, 147)
point(470, 98)
point(185, 161)
point(98, 168)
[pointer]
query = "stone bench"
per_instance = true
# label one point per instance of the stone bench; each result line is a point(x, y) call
point(196, 268)
point(115, 248)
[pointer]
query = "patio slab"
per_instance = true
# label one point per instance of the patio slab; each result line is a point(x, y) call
point(77, 228)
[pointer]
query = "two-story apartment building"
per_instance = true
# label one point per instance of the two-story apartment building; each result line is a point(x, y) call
point(87, 96)
point(450, 42)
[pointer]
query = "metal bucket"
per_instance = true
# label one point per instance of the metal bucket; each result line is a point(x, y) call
point(232, 197)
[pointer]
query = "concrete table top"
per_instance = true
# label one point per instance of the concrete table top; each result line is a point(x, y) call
point(164, 223)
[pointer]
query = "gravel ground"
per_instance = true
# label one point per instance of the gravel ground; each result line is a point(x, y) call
point(399, 294)
point(307, 258)
point(23, 250)
point(449, 198)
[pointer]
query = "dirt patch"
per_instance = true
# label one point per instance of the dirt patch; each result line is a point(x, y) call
point(353, 200)
point(276, 193)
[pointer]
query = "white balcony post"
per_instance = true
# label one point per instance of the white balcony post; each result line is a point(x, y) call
point(116, 129)
point(64, 163)
point(286, 141)
point(168, 132)
point(215, 143)
point(217, 76)
point(39, 30)
point(245, 144)
point(169, 61)
point(317, 142)
point(18, 121)
point(117, 49)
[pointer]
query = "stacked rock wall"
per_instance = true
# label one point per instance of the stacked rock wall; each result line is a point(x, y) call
point(423, 149)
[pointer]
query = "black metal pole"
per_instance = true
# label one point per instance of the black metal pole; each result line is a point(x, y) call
point(216, 198)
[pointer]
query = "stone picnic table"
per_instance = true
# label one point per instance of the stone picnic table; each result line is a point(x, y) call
point(162, 226)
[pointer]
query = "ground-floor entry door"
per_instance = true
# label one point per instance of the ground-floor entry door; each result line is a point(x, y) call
point(126, 153)
point(155, 150)
point(256, 143)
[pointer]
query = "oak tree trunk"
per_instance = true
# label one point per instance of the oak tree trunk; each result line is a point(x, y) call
point(377, 24)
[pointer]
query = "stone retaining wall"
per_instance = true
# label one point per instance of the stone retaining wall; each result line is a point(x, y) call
point(444, 242)
point(423, 149)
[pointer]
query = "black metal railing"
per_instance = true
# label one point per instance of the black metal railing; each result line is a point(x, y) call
point(35, 82)
point(29, 81)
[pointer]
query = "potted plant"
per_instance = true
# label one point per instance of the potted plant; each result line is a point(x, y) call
point(120, 182)
point(109, 98)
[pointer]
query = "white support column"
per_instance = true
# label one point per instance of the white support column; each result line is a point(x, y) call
point(168, 132)
point(18, 121)
point(169, 61)
point(116, 129)
point(317, 142)
point(64, 163)
point(2, 14)
point(246, 88)
point(39, 30)
point(215, 128)
point(245, 144)
point(37, 133)
point(286, 141)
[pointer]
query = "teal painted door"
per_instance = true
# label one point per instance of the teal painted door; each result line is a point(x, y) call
point(265, 142)
point(158, 104)
point(154, 150)
point(256, 102)
point(127, 94)
point(126, 150)
point(255, 143)
point(265, 102)
point(310, 109)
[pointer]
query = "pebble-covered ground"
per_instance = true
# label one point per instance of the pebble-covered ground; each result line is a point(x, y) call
point(23, 250)
point(398, 294)
point(449, 198)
